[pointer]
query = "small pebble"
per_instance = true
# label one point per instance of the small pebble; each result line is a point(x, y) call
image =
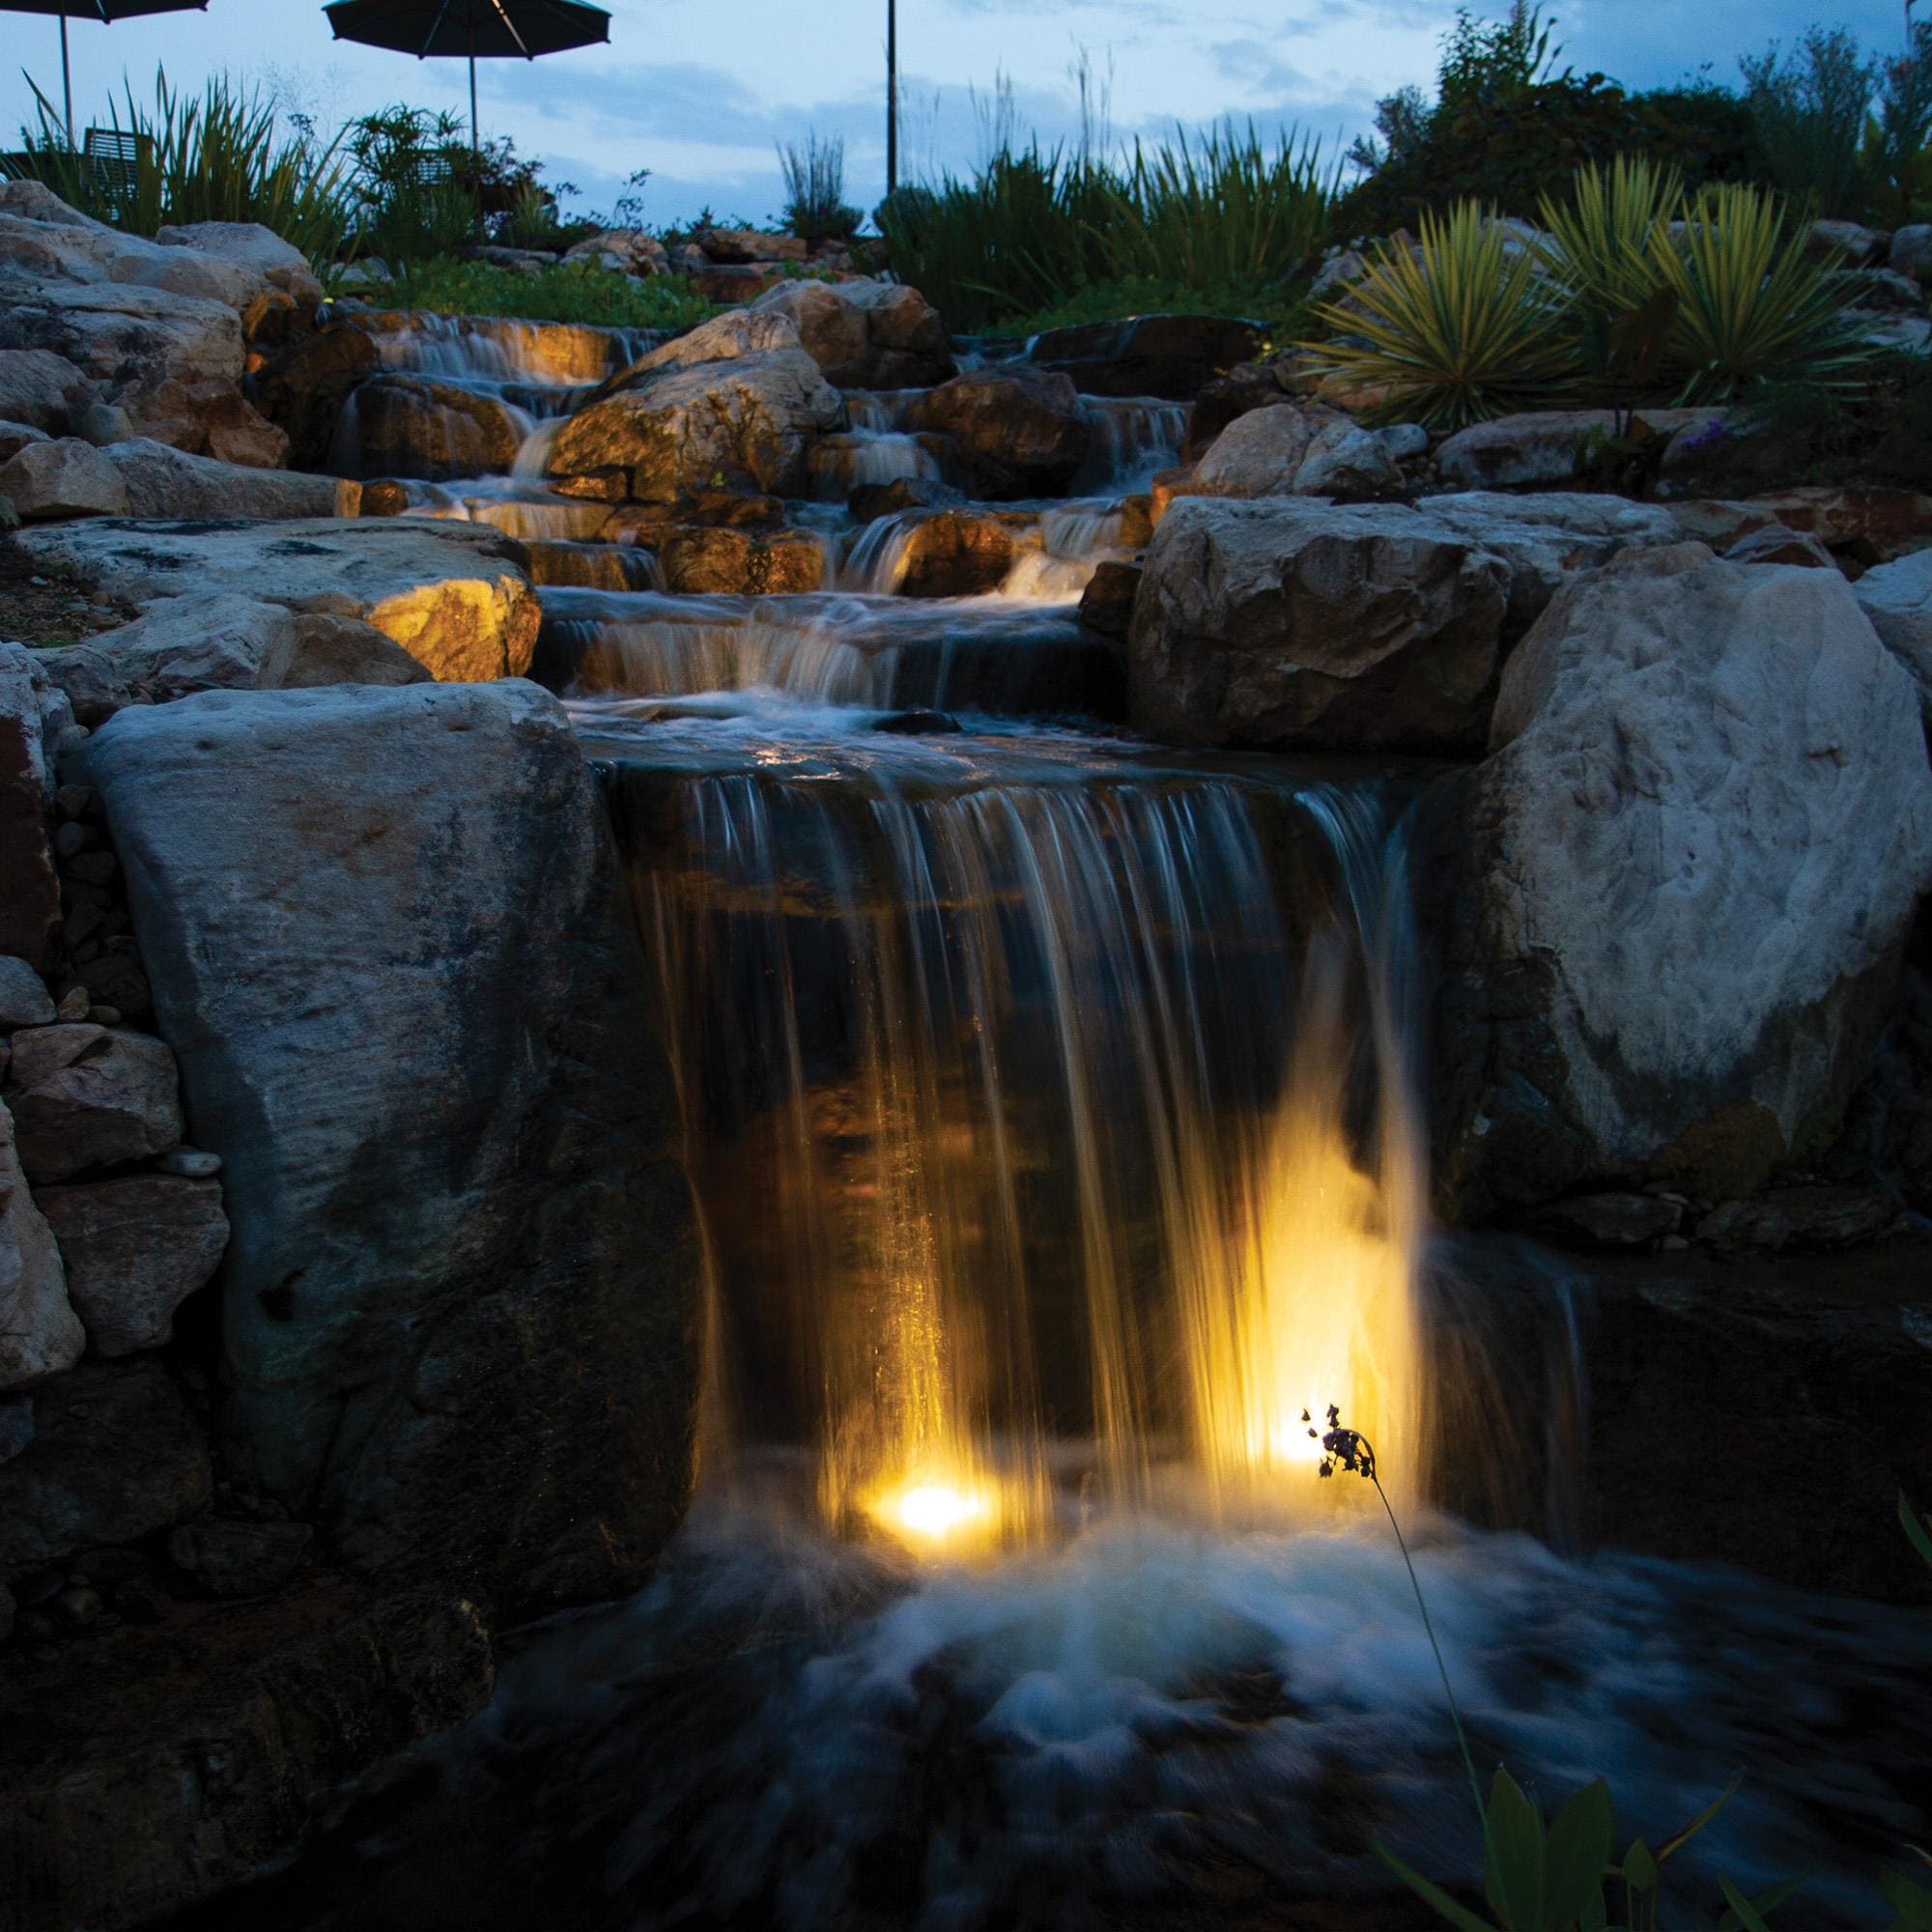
point(104, 1015)
point(74, 1006)
point(71, 839)
point(1673, 1245)
point(193, 1162)
point(72, 800)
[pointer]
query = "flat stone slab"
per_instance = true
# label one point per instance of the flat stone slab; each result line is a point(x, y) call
point(456, 596)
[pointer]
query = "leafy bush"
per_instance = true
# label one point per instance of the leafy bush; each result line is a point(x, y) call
point(1896, 153)
point(1284, 309)
point(218, 156)
point(415, 201)
point(563, 292)
point(1226, 212)
point(1809, 115)
point(815, 207)
point(1751, 304)
point(1453, 331)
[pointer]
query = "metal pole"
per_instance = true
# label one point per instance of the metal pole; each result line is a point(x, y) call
point(475, 139)
point(891, 96)
point(66, 82)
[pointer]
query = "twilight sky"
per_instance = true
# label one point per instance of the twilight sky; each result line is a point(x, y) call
point(700, 91)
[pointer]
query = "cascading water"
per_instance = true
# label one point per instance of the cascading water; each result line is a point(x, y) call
point(1049, 1101)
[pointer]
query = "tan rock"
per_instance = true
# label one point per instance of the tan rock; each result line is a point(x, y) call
point(134, 1250)
point(86, 1095)
point(65, 478)
point(40, 1333)
point(703, 559)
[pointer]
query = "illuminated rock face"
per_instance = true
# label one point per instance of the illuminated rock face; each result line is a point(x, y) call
point(455, 596)
point(385, 939)
point(1675, 895)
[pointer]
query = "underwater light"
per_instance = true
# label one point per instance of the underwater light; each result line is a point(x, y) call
point(936, 1510)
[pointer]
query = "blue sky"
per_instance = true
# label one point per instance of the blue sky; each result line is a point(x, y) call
point(701, 91)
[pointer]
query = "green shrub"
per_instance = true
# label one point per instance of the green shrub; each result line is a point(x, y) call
point(1225, 213)
point(217, 156)
point(1751, 306)
point(1453, 333)
point(1896, 153)
point(1283, 310)
point(565, 292)
point(1808, 116)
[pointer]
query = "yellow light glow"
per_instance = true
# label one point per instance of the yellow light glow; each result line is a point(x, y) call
point(937, 1511)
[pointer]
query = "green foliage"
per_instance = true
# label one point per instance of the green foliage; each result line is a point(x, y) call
point(1486, 62)
point(1751, 306)
point(1808, 116)
point(1917, 1532)
point(1910, 1899)
point(1453, 333)
point(815, 206)
point(414, 198)
point(220, 156)
point(1896, 153)
point(1227, 213)
point(565, 292)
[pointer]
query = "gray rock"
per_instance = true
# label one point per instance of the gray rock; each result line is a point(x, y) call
point(1259, 454)
point(1285, 623)
point(134, 1249)
point(458, 1299)
point(30, 907)
point(1774, 543)
point(456, 596)
point(1543, 447)
point(1673, 898)
point(17, 1424)
point(15, 437)
point(164, 482)
point(254, 247)
point(44, 390)
point(1020, 431)
point(1609, 1220)
point(1808, 1219)
point(1912, 251)
point(115, 1457)
point(1347, 463)
point(1897, 598)
point(24, 999)
point(40, 1334)
point(677, 427)
point(240, 1559)
point(221, 641)
point(1847, 241)
point(86, 1095)
point(67, 478)
point(864, 334)
point(103, 423)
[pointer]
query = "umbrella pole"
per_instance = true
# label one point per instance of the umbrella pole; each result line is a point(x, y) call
point(476, 137)
point(891, 96)
point(66, 84)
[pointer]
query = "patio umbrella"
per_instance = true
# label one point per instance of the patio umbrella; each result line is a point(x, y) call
point(106, 12)
point(480, 29)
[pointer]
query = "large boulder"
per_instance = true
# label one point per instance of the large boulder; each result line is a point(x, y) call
point(387, 938)
point(30, 908)
point(40, 1333)
point(631, 251)
point(134, 1249)
point(1170, 355)
point(1021, 431)
point(1863, 523)
point(414, 426)
point(1547, 536)
point(304, 389)
point(1897, 598)
point(1292, 449)
point(677, 429)
point(1289, 623)
point(162, 481)
point(115, 1456)
point(1674, 897)
point(68, 477)
point(456, 596)
point(220, 641)
point(724, 338)
point(864, 334)
point(85, 1095)
point(251, 245)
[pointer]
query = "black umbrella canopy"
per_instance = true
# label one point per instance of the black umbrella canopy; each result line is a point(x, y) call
point(476, 29)
point(106, 12)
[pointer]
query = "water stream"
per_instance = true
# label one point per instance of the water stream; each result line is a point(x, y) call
point(1051, 1109)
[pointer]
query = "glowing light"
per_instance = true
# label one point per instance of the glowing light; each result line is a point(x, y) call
point(936, 1511)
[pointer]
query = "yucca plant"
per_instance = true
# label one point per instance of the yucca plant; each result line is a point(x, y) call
point(1454, 331)
point(218, 156)
point(1752, 306)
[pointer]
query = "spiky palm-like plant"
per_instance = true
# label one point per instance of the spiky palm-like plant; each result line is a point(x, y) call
point(1751, 306)
point(1454, 331)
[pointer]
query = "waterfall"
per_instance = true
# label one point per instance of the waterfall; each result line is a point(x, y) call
point(1134, 436)
point(1078, 1160)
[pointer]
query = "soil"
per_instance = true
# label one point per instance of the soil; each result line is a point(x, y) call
point(43, 603)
